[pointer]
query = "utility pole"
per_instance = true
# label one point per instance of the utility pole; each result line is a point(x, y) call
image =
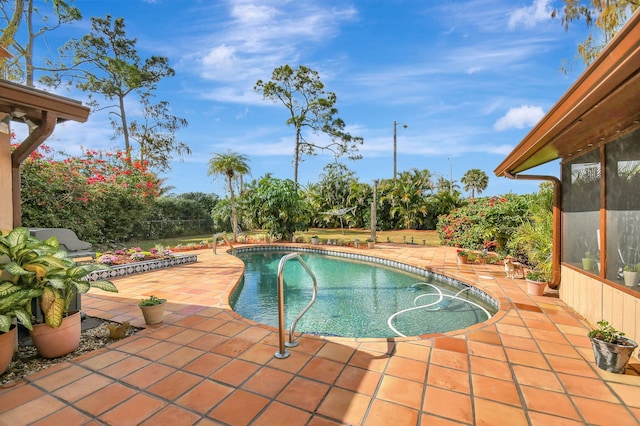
point(395, 149)
point(374, 207)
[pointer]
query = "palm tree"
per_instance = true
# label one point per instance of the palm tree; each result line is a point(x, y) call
point(233, 166)
point(475, 180)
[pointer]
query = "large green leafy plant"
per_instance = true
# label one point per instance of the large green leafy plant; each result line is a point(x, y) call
point(35, 269)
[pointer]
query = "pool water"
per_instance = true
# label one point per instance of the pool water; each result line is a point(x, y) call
point(355, 299)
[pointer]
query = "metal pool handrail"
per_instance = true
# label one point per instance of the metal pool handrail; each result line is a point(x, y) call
point(283, 353)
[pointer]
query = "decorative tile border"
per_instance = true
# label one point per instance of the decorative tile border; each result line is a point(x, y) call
point(118, 271)
point(476, 292)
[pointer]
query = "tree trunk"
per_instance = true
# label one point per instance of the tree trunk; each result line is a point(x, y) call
point(234, 214)
point(125, 129)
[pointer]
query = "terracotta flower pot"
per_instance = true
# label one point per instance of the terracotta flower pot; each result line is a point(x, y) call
point(56, 342)
point(536, 288)
point(153, 314)
point(463, 260)
point(7, 347)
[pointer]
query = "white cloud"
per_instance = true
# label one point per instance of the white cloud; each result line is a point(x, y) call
point(529, 16)
point(518, 118)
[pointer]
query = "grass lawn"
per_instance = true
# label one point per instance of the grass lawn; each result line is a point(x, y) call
point(429, 238)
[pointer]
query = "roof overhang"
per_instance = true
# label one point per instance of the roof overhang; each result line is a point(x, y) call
point(22, 102)
point(600, 106)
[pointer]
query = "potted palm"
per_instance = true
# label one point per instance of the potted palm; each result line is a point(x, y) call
point(611, 349)
point(152, 309)
point(54, 280)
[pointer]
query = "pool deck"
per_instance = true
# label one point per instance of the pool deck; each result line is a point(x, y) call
point(530, 364)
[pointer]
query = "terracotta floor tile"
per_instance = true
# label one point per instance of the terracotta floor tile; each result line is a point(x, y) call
point(67, 415)
point(204, 396)
point(359, 380)
point(335, 352)
point(174, 385)
point(513, 330)
point(181, 357)
point(578, 367)
point(185, 337)
point(491, 413)
point(321, 421)
point(528, 358)
point(103, 360)
point(431, 420)
point(137, 344)
point(601, 413)
point(448, 378)
point(544, 419)
point(345, 406)
point(280, 414)
point(239, 408)
point(322, 370)
point(503, 391)
point(447, 404)
point(206, 364)
point(490, 367)
point(17, 393)
point(125, 367)
point(209, 324)
point(558, 349)
point(517, 342)
point(158, 350)
point(303, 393)
point(629, 394)
point(207, 342)
point(148, 375)
point(371, 361)
point(258, 353)
point(82, 387)
point(400, 391)
point(32, 411)
point(230, 328)
point(537, 378)
point(68, 374)
point(268, 381)
point(417, 352)
point(588, 387)
point(491, 337)
point(133, 411)
point(451, 344)
point(549, 402)
point(384, 413)
point(235, 372)
point(456, 360)
point(487, 350)
point(232, 347)
point(172, 415)
point(107, 398)
point(407, 368)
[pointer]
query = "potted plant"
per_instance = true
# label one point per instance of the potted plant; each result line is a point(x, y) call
point(611, 349)
point(589, 262)
point(463, 256)
point(152, 309)
point(631, 273)
point(54, 280)
point(13, 305)
point(536, 282)
point(315, 240)
point(371, 243)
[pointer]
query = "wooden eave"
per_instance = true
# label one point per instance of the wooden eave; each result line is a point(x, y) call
point(16, 98)
point(601, 105)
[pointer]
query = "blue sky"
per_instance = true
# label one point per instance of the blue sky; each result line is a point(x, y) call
point(469, 78)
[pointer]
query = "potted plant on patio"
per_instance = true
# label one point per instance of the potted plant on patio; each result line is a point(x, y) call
point(611, 349)
point(53, 279)
point(536, 282)
point(315, 240)
point(371, 243)
point(13, 305)
point(152, 309)
point(589, 262)
point(463, 256)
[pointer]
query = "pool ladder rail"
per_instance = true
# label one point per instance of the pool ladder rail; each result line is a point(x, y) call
point(283, 352)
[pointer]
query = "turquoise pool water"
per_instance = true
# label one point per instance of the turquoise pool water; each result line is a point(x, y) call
point(355, 298)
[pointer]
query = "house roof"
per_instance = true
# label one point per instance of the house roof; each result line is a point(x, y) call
point(26, 102)
point(600, 106)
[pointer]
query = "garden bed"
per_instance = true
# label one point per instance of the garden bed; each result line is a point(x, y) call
point(142, 266)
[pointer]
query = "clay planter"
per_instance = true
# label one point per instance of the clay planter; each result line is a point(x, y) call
point(153, 314)
point(612, 357)
point(536, 288)
point(371, 244)
point(463, 260)
point(56, 342)
point(7, 347)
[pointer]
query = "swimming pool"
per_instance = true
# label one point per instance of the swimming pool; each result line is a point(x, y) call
point(356, 298)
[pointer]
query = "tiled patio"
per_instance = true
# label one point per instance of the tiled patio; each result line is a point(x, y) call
point(530, 364)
